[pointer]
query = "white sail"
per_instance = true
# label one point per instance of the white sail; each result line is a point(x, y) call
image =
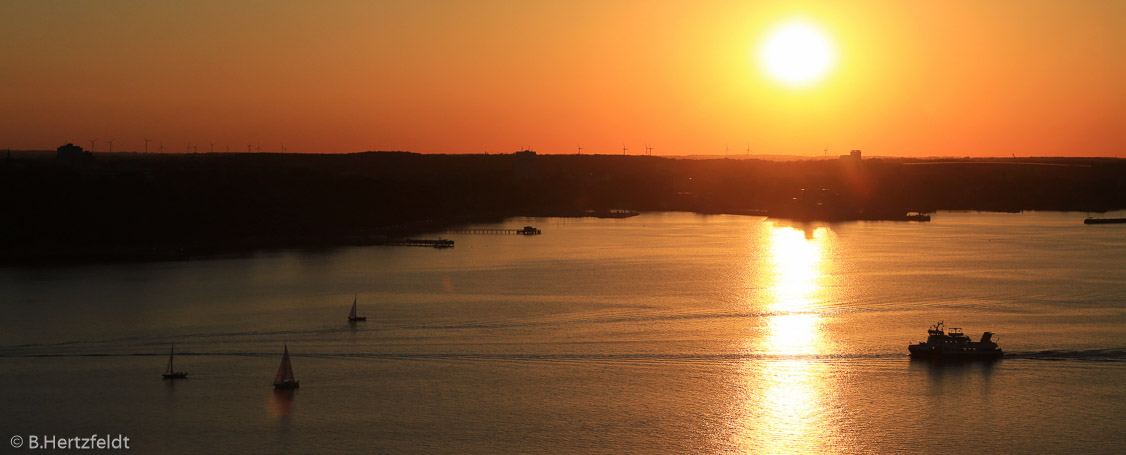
point(285, 370)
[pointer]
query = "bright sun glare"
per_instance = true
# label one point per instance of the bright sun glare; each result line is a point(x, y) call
point(797, 53)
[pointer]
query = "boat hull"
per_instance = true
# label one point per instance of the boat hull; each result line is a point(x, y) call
point(929, 352)
point(361, 318)
point(177, 375)
point(286, 385)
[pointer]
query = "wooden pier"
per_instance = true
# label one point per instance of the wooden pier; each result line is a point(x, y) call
point(527, 230)
point(440, 243)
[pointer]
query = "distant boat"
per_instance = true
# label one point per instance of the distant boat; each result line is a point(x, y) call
point(953, 344)
point(352, 315)
point(1090, 220)
point(916, 216)
point(284, 378)
point(170, 372)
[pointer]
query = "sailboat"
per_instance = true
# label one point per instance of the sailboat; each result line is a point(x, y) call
point(352, 315)
point(284, 378)
point(170, 372)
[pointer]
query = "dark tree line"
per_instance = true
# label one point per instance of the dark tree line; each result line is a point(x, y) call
point(137, 204)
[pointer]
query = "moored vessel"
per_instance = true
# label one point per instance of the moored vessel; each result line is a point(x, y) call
point(953, 344)
point(1090, 220)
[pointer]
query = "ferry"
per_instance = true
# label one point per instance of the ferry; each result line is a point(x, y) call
point(953, 344)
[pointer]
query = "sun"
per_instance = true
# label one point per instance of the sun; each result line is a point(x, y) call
point(797, 54)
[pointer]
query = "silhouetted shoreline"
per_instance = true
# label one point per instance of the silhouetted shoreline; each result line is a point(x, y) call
point(129, 206)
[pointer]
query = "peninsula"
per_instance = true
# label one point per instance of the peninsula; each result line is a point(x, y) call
point(69, 205)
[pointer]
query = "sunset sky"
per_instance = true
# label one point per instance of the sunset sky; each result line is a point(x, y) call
point(1040, 78)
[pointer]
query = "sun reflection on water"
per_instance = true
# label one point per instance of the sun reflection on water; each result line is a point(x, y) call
point(796, 262)
point(786, 392)
point(795, 292)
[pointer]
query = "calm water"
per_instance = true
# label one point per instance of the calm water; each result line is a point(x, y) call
point(666, 332)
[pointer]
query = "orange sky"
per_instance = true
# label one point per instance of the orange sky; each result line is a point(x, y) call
point(911, 78)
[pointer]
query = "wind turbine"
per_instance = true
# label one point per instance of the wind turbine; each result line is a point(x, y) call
point(212, 147)
point(624, 149)
point(110, 145)
point(92, 144)
point(580, 149)
point(147, 145)
point(162, 147)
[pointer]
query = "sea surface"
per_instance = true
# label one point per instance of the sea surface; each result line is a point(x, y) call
point(661, 333)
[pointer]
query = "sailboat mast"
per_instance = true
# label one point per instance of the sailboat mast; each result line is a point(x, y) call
point(171, 352)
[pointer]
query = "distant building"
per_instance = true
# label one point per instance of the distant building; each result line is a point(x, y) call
point(852, 156)
point(73, 156)
point(69, 153)
point(525, 164)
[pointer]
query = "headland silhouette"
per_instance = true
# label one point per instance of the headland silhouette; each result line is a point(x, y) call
point(72, 205)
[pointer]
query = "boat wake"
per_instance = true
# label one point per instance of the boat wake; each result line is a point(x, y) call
point(1107, 355)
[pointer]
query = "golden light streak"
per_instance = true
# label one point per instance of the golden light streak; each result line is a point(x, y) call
point(786, 392)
